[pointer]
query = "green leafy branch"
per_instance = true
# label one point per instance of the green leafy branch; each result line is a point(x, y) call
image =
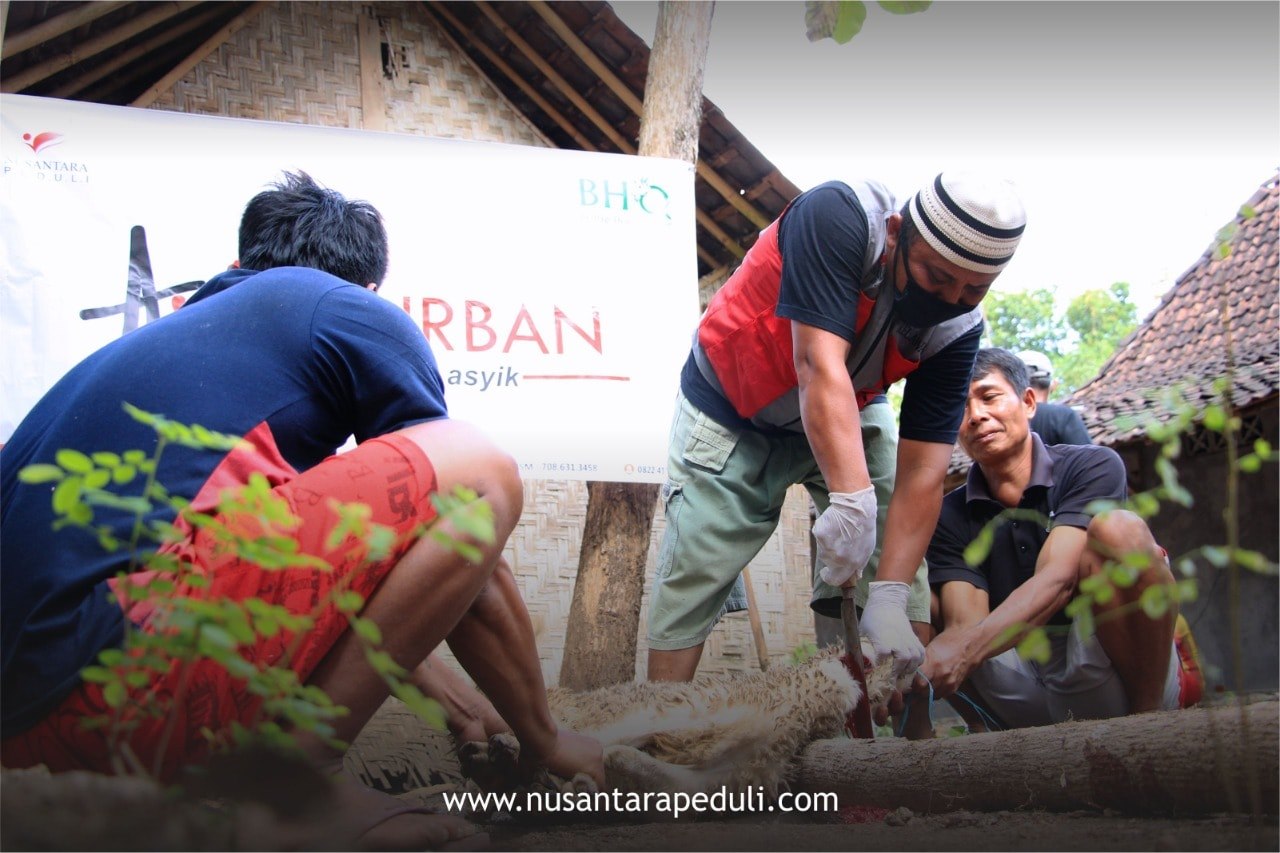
point(841, 20)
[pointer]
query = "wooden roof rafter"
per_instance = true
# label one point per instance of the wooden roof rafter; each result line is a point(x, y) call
point(573, 70)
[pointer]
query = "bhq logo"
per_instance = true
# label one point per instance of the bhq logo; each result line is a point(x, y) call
point(620, 196)
point(42, 140)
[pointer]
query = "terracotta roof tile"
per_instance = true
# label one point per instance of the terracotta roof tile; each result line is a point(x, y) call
point(1183, 344)
point(1182, 347)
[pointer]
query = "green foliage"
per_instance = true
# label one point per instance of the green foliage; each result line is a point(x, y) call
point(1098, 320)
point(803, 652)
point(187, 630)
point(841, 20)
point(1078, 342)
point(1024, 320)
point(1105, 315)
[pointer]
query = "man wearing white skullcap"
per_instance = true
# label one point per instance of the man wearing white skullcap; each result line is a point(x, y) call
point(839, 298)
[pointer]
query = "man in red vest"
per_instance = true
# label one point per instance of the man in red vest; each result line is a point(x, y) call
point(842, 296)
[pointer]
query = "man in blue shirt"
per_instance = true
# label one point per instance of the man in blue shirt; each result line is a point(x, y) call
point(293, 350)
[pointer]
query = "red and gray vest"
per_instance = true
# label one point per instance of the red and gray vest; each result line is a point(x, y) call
point(744, 350)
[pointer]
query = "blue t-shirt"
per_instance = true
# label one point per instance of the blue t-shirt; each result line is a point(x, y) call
point(314, 358)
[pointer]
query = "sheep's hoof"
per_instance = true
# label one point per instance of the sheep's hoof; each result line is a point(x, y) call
point(494, 766)
point(580, 783)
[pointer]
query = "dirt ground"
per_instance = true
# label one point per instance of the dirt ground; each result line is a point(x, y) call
point(85, 811)
point(82, 811)
point(956, 831)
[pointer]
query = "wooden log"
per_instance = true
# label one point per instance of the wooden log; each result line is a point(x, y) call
point(1196, 761)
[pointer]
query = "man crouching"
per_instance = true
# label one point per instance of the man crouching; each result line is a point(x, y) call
point(1034, 568)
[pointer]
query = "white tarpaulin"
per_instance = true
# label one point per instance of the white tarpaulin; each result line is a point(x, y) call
point(558, 289)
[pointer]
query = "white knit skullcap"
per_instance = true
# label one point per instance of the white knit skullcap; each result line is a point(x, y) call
point(973, 221)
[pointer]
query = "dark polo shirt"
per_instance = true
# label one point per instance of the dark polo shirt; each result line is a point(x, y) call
point(1058, 424)
point(1065, 479)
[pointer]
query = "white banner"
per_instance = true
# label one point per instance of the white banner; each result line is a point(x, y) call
point(558, 289)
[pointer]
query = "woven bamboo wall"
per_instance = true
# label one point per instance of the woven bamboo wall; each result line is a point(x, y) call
point(300, 63)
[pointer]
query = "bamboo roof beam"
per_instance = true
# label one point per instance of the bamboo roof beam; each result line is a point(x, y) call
point(587, 110)
point(157, 12)
point(442, 10)
point(210, 44)
point(93, 75)
point(51, 28)
point(4, 19)
point(623, 91)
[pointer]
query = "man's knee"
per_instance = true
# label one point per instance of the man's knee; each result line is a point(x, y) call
point(462, 455)
point(1122, 537)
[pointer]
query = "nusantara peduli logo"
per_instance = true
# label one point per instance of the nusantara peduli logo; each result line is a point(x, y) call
point(43, 167)
point(40, 141)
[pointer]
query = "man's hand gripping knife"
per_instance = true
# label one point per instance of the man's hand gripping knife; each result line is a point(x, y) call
point(886, 630)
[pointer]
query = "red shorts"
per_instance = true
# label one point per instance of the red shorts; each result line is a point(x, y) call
point(391, 475)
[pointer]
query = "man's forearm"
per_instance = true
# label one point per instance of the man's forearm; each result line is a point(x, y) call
point(913, 514)
point(829, 410)
point(495, 644)
point(1044, 594)
point(1029, 606)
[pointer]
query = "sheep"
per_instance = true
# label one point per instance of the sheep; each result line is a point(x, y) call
point(730, 733)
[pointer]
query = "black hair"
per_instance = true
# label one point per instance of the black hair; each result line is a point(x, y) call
point(907, 230)
point(1006, 363)
point(299, 223)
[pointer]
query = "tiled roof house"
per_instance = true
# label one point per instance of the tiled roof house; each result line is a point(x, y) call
point(1221, 316)
point(1184, 343)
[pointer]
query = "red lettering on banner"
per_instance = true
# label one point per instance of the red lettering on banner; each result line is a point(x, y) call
point(482, 324)
point(482, 329)
point(561, 319)
point(523, 317)
point(428, 325)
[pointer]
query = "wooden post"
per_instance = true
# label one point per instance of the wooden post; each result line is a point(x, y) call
point(757, 626)
point(604, 617)
point(373, 105)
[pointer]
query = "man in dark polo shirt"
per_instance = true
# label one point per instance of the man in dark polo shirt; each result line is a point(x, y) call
point(1034, 568)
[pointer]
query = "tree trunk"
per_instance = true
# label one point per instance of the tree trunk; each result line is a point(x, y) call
point(1192, 762)
point(604, 618)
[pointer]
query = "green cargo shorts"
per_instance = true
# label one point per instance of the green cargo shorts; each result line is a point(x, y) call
point(723, 498)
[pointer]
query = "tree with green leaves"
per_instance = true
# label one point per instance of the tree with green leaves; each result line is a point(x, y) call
point(1024, 320)
point(1098, 320)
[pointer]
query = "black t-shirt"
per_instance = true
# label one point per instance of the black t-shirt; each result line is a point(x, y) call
point(1058, 424)
point(1065, 479)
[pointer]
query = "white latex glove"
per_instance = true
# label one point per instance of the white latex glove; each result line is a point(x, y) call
point(846, 535)
point(885, 628)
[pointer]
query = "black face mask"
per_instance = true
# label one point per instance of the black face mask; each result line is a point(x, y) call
point(917, 307)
